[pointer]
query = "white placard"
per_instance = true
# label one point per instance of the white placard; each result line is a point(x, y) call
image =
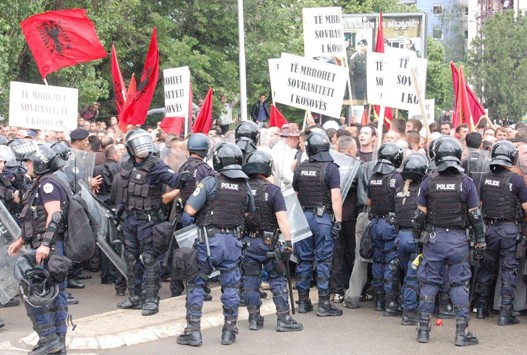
point(274, 73)
point(177, 91)
point(44, 107)
point(398, 89)
point(323, 32)
point(375, 64)
point(311, 85)
point(430, 106)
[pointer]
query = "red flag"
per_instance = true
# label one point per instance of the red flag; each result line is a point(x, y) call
point(475, 106)
point(204, 120)
point(172, 125)
point(132, 87)
point(364, 119)
point(276, 119)
point(379, 48)
point(61, 39)
point(462, 113)
point(119, 89)
point(136, 107)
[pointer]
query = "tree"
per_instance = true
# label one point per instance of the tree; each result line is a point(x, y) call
point(497, 65)
point(438, 76)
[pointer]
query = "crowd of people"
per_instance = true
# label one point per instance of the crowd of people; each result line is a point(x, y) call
point(428, 206)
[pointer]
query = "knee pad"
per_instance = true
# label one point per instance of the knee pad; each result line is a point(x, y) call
point(321, 278)
point(130, 260)
point(149, 260)
point(394, 265)
point(252, 269)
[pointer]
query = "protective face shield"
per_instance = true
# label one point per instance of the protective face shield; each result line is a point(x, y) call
point(139, 143)
point(6, 154)
point(37, 288)
point(42, 160)
point(199, 144)
point(258, 162)
point(504, 153)
point(414, 167)
point(22, 148)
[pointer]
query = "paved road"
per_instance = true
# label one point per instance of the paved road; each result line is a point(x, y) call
point(361, 331)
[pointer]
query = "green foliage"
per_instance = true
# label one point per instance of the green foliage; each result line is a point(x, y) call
point(438, 76)
point(497, 64)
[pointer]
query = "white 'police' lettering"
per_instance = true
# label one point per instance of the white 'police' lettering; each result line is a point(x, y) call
point(376, 182)
point(403, 194)
point(308, 173)
point(489, 182)
point(226, 185)
point(254, 192)
point(446, 186)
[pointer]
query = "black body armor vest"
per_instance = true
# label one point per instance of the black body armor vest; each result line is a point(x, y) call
point(312, 188)
point(191, 165)
point(264, 218)
point(137, 194)
point(382, 196)
point(445, 208)
point(497, 199)
point(406, 204)
point(228, 208)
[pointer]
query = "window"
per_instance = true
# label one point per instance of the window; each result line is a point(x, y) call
point(437, 33)
point(437, 9)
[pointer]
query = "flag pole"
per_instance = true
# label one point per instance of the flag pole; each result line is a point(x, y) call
point(421, 101)
point(243, 84)
point(45, 81)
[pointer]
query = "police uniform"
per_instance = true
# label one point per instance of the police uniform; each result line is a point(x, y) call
point(141, 191)
point(385, 269)
point(502, 192)
point(220, 203)
point(313, 181)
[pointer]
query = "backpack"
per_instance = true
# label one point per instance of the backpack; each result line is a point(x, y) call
point(80, 236)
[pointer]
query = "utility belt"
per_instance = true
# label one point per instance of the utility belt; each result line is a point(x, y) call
point(318, 211)
point(154, 216)
point(269, 238)
point(430, 232)
point(500, 221)
point(211, 231)
point(383, 216)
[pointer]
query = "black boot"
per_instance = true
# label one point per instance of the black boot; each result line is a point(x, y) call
point(256, 321)
point(191, 335)
point(379, 301)
point(391, 307)
point(229, 331)
point(62, 339)
point(2, 323)
point(304, 303)
point(482, 310)
point(410, 317)
point(463, 336)
point(47, 345)
point(151, 304)
point(506, 317)
point(131, 302)
point(444, 308)
point(286, 323)
point(325, 308)
point(423, 328)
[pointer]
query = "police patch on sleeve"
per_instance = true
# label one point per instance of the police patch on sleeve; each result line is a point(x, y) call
point(198, 189)
point(48, 188)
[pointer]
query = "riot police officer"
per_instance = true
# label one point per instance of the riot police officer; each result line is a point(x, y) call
point(218, 203)
point(447, 205)
point(263, 248)
point(384, 181)
point(9, 195)
point(246, 135)
point(413, 170)
point(142, 176)
point(45, 235)
point(317, 183)
point(503, 195)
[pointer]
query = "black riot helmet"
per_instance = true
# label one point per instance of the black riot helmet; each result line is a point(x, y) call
point(448, 154)
point(316, 142)
point(22, 148)
point(139, 143)
point(247, 129)
point(42, 160)
point(37, 288)
point(227, 158)
point(503, 153)
point(414, 167)
point(63, 153)
point(199, 144)
point(390, 153)
point(258, 162)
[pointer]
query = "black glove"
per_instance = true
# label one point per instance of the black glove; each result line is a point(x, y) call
point(184, 177)
point(521, 249)
point(288, 244)
point(286, 254)
point(336, 230)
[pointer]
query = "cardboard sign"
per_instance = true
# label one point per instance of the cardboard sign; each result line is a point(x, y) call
point(44, 107)
point(375, 64)
point(430, 109)
point(274, 74)
point(323, 32)
point(177, 91)
point(311, 85)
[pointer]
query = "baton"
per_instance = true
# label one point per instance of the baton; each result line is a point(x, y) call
point(288, 273)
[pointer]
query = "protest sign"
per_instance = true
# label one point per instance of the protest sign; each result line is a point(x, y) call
point(415, 112)
point(323, 32)
point(375, 77)
point(44, 107)
point(177, 90)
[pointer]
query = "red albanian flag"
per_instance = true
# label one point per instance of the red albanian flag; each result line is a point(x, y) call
point(204, 120)
point(119, 89)
point(63, 38)
point(136, 106)
point(276, 119)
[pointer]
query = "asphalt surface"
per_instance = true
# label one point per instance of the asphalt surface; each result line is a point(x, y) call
point(103, 329)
